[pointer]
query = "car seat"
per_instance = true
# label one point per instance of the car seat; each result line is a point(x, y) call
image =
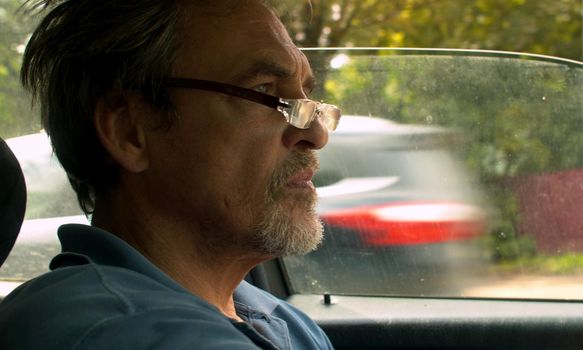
point(12, 200)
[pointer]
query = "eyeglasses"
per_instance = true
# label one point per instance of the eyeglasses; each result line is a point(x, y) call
point(297, 112)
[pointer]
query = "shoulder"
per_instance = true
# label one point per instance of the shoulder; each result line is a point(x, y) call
point(96, 307)
point(164, 328)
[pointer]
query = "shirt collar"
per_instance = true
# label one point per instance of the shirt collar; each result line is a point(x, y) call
point(103, 248)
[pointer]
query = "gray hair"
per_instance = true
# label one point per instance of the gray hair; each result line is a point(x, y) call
point(84, 49)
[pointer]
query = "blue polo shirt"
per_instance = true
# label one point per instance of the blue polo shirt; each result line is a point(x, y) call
point(103, 294)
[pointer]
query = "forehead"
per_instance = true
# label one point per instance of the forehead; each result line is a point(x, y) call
point(231, 44)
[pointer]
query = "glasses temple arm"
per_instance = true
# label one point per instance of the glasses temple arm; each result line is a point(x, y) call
point(232, 90)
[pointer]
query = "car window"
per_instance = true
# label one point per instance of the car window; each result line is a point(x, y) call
point(453, 173)
point(51, 202)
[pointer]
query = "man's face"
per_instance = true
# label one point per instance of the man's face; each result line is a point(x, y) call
point(229, 168)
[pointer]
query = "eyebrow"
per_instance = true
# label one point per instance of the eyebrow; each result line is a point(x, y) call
point(271, 68)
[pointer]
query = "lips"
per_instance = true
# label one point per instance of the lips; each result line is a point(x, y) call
point(302, 179)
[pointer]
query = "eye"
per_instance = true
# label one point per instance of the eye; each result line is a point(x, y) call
point(264, 88)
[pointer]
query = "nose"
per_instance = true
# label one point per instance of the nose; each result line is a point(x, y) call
point(314, 137)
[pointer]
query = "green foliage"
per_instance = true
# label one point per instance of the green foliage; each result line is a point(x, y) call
point(16, 114)
point(503, 241)
point(60, 201)
point(544, 264)
point(506, 246)
point(517, 114)
point(534, 26)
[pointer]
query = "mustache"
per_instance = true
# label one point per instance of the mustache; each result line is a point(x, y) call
point(299, 160)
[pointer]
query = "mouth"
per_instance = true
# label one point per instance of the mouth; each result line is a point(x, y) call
point(301, 180)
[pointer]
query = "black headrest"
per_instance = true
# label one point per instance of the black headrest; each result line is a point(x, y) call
point(12, 200)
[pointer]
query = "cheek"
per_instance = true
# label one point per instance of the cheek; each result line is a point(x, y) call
point(252, 152)
point(251, 167)
point(229, 178)
point(220, 175)
point(251, 170)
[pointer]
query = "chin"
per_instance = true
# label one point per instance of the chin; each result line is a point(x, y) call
point(285, 232)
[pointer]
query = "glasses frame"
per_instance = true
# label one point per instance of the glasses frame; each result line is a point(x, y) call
point(282, 105)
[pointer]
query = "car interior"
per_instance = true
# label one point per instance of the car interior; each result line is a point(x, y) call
point(450, 193)
point(373, 320)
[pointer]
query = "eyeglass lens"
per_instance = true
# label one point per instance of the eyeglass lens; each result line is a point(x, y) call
point(303, 112)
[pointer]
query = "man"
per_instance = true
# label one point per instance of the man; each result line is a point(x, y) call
point(191, 180)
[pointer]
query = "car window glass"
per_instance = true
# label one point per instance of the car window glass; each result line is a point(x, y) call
point(51, 202)
point(451, 174)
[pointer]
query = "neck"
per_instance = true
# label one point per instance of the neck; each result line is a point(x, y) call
point(209, 270)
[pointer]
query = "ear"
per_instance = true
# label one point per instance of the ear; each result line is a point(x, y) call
point(120, 126)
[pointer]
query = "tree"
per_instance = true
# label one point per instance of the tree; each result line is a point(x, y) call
point(16, 114)
point(534, 26)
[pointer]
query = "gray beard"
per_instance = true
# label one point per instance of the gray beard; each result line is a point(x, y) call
point(280, 235)
point(290, 225)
